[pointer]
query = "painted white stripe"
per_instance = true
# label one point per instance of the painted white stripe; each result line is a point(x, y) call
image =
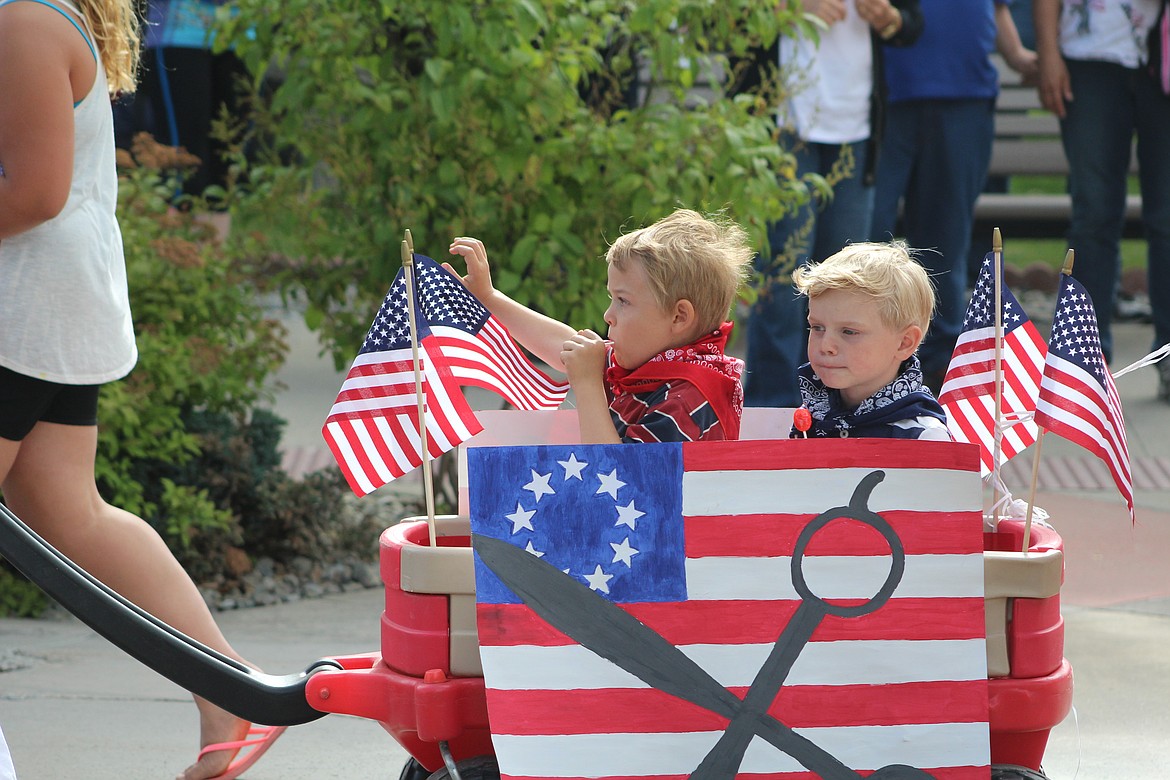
point(815, 490)
point(850, 662)
point(834, 577)
point(860, 747)
point(337, 436)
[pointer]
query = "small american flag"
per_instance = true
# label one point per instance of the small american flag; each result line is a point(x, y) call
point(630, 600)
point(373, 428)
point(1078, 399)
point(968, 391)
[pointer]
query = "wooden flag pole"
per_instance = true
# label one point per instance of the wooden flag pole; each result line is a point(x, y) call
point(1065, 270)
point(420, 396)
point(997, 433)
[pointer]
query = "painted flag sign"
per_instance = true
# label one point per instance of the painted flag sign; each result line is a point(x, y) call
point(1078, 399)
point(784, 610)
point(373, 428)
point(968, 391)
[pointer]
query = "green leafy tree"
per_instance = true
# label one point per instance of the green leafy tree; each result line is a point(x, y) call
point(544, 127)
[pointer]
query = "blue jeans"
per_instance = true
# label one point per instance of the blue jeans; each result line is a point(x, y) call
point(1112, 103)
point(778, 325)
point(934, 159)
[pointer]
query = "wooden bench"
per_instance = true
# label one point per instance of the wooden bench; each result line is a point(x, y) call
point(1027, 143)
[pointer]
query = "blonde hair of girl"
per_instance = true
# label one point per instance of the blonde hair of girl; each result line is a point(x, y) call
point(115, 28)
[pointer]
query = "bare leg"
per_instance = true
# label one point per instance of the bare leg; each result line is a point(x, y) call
point(50, 485)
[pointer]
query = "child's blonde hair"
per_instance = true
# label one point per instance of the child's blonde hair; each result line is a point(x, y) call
point(704, 260)
point(115, 29)
point(886, 272)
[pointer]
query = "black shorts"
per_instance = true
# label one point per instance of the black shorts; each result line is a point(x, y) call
point(25, 401)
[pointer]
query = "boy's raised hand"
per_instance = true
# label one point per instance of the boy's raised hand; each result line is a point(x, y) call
point(478, 278)
point(583, 356)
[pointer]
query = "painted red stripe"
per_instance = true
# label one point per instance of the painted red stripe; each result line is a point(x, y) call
point(648, 710)
point(767, 535)
point(939, 773)
point(750, 622)
point(831, 453)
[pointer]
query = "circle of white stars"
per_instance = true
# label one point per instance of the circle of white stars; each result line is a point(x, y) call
point(541, 485)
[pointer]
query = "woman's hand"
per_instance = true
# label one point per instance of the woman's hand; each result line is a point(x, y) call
point(880, 15)
point(829, 11)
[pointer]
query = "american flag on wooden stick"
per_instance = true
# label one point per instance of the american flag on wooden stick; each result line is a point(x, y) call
point(757, 609)
point(1078, 399)
point(968, 391)
point(373, 427)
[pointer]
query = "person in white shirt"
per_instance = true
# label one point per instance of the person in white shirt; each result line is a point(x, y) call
point(1093, 76)
point(831, 125)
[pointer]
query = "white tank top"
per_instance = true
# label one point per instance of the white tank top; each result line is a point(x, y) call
point(65, 315)
point(832, 81)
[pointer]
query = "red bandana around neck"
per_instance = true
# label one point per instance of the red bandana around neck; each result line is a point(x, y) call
point(703, 363)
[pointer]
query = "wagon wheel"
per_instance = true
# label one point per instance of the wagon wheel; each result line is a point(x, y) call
point(1013, 772)
point(413, 770)
point(478, 768)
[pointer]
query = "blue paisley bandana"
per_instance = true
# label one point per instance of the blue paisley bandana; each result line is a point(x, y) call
point(904, 399)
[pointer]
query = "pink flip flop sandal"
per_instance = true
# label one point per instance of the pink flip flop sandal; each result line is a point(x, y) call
point(259, 739)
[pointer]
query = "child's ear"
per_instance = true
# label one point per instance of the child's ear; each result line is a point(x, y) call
point(911, 338)
point(684, 316)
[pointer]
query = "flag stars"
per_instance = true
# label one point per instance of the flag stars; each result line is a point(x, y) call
point(623, 552)
point(610, 484)
point(532, 550)
point(599, 580)
point(572, 467)
point(628, 515)
point(539, 485)
point(521, 518)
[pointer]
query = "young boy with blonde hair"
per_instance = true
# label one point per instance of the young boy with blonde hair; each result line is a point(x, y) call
point(662, 374)
point(869, 306)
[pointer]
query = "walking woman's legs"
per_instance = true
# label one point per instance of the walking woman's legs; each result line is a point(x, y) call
point(50, 485)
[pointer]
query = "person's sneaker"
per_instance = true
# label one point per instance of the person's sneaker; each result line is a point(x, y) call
point(1163, 367)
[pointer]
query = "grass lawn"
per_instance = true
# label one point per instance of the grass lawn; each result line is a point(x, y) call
point(1023, 252)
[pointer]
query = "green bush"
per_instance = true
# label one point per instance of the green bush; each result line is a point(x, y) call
point(184, 440)
point(518, 121)
point(205, 345)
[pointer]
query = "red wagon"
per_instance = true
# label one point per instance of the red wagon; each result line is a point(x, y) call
point(424, 684)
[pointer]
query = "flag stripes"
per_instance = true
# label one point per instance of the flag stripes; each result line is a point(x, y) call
point(373, 427)
point(1078, 399)
point(532, 712)
point(770, 535)
point(887, 662)
point(938, 773)
point(1083, 421)
point(640, 754)
point(969, 388)
point(492, 360)
point(745, 621)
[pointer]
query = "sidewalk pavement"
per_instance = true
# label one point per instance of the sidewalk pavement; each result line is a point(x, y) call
point(74, 706)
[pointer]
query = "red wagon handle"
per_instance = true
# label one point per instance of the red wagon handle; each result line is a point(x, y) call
point(272, 700)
